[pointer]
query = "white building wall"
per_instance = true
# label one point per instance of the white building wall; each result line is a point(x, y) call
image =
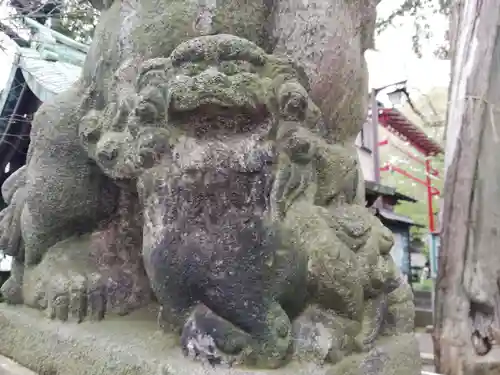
point(364, 143)
point(366, 164)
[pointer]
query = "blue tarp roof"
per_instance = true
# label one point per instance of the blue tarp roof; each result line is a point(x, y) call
point(49, 67)
point(46, 78)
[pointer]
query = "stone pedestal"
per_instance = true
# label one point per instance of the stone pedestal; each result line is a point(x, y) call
point(9, 367)
point(133, 345)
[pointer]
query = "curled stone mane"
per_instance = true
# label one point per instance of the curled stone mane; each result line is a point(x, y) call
point(193, 178)
point(119, 136)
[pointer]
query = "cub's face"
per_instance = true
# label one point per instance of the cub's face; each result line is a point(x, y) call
point(214, 101)
point(208, 98)
point(209, 87)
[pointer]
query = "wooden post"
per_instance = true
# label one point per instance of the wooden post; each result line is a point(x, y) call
point(375, 151)
point(430, 195)
point(467, 294)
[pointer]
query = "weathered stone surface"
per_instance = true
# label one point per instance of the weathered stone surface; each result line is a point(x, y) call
point(9, 367)
point(55, 348)
point(198, 165)
point(209, 182)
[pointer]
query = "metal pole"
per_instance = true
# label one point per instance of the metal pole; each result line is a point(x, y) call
point(432, 229)
point(375, 151)
point(428, 171)
point(6, 131)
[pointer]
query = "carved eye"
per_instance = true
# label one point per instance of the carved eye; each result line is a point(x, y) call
point(192, 69)
point(147, 112)
point(230, 68)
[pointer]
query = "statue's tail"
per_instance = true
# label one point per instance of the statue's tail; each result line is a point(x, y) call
point(13, 193)
point(13, 183)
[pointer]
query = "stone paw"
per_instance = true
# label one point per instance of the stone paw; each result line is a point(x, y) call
point(74, 296)
point(211, 339)
point(78, 296)
point(208, 338)
point(12, 291)
point(70, 284)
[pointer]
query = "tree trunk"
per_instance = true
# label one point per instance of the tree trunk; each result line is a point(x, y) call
point(467, 307)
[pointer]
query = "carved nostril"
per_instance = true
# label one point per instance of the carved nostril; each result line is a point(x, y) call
point(282, 329)
point(107, 151)
point(108, 155)
point(147, 112)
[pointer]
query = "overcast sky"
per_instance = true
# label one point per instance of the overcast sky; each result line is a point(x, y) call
point(392, 62)
point(395, 61)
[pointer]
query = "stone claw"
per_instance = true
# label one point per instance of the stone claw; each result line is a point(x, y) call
point(96, 298)
point(76, 298)
point(78, 303)
point(209, 338)
point(153, 72)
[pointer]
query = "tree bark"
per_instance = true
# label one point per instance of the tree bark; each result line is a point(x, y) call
point(467, 305)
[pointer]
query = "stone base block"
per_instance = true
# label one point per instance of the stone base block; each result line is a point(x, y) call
point(9, 367)
point(423, 318)
point(133, 345)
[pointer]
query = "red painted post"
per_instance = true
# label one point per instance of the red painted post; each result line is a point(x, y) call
point(430, 209)
point(389, 167)
point(434, 172)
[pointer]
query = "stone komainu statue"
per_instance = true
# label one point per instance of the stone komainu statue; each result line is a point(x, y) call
point(192, 167)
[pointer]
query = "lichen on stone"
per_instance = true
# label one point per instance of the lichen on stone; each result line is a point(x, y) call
point(203, 179)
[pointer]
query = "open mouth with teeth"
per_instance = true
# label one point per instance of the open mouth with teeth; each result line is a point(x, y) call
point(206, 114)
point(221, 85)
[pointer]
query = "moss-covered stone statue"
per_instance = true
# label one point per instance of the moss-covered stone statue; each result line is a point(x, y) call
point(195, 165)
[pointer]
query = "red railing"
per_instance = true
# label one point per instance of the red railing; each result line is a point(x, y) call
point(431, 190)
